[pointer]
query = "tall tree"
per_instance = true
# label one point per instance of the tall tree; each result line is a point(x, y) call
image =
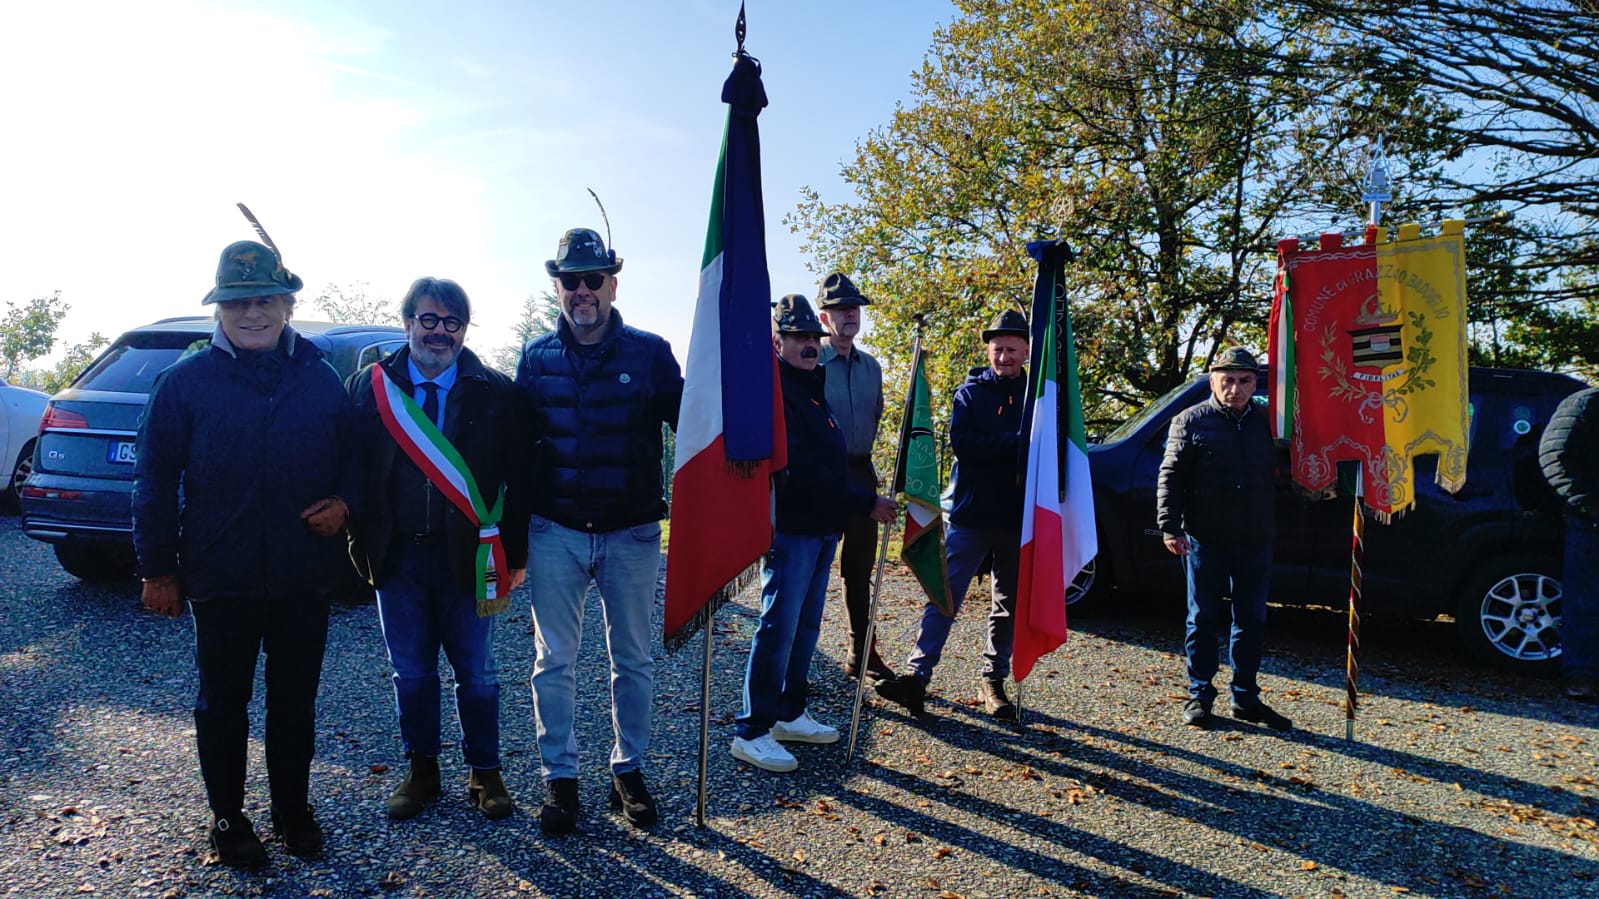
point(28, 331)
point(1152, 138)
point(540, 312)
point(351, 304)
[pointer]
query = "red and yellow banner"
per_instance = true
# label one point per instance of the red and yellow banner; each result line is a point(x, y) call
point(1374, 338)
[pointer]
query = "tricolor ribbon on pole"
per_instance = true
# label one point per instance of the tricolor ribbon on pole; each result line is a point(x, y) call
point(427, 447)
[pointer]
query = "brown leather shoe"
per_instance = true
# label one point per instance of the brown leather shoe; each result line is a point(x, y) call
point(995, 702)
point(419, 789)
point(487, 791)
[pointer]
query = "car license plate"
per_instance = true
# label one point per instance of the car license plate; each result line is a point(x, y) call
point(121, 451)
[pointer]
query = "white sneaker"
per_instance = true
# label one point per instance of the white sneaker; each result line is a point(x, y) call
point(804, 729)
point(764, 752)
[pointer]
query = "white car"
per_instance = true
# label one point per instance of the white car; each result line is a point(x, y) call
point(20, 411)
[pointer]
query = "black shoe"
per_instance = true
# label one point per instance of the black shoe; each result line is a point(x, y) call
point(419, 789)
point(1197, 714)
point(1260, 713)
point(995, 702)
point(300, 833)
point(485, 788)
point(877, 670)
point(559, 813)
point(235, 842)
point(632, 798)
point(907, 690)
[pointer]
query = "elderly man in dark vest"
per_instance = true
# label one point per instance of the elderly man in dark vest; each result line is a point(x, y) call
point(248, 467)
point(600, 392)
point(443, 536)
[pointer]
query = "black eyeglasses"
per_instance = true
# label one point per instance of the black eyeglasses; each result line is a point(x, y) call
point(592, 280)
point(429, 321)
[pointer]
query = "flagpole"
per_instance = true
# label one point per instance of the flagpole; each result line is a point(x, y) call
point(1357, 551)
point(882, 549)
point(705, 724)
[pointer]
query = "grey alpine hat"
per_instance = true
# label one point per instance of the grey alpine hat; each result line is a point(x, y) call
point(249, 269)
point(1008, 322)
point(793, 315)
point(1235, 358)
point(582, 250)
point(837, 290)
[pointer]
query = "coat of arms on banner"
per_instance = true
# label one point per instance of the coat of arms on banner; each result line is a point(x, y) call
point(1371, 341)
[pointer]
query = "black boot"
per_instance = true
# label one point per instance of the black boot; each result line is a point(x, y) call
point(235, 842)
point(995, 702)
point(907, 690)
point(486, 788)
point(419, 789)
point(559, 814)
point(298, 830)
point(632, 798)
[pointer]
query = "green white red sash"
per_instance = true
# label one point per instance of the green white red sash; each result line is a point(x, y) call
point(432, 452)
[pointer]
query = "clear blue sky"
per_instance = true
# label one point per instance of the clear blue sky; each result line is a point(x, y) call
point(381, 141)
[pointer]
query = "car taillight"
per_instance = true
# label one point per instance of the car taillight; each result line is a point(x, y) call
point(61, 418)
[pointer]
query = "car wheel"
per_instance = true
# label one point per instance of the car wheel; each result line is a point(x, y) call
point(1087, 591)
point(11, 497)
point(1508, 614)
point(95, 564)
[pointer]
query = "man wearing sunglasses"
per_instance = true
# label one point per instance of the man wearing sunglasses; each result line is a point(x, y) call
point(436, 419)
point(599, 393)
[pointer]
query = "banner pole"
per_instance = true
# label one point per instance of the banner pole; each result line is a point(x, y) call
point(882, 547)
point(1357, 551)
point(705, 722)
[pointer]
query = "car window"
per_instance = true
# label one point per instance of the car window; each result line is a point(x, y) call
point(133, 362)
point(375, 352)
point(1158, 407)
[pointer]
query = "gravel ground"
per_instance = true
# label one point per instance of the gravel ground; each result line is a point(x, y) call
point(1461, 783)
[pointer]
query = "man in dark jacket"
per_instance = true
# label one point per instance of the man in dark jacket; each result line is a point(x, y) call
point(1214, 507)
point(855, 394)
point(1569, 453)
point(815, 499)
point(599, 392)
point(437, 420)
point(985, 519)
point(248, 466)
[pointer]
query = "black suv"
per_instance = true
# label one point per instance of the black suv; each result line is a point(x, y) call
point(78, 497)
point(1488, 555)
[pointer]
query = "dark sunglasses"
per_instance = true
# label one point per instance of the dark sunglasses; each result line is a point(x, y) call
point(592, 280)
point(429, 321)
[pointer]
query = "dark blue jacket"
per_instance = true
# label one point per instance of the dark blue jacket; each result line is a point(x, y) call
point(814, 496)
point(1569, 454)
point(1218, 480)
point(985, 426)
point(232, 447)
point(597, 413)
point(486, 422)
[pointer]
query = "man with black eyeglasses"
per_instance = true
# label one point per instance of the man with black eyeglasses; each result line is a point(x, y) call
point(445, 440)
point(599, 392)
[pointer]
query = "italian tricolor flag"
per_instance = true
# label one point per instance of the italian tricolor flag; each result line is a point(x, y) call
point(730, 436)
point(1058, 536)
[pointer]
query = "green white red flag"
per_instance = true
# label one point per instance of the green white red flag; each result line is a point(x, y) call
point(920, 479)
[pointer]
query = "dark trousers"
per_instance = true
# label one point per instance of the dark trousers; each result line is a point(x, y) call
point(1218, 572)
point(230, 633)
point(857, 556)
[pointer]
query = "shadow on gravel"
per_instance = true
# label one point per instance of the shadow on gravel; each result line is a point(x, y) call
point(1327, 827)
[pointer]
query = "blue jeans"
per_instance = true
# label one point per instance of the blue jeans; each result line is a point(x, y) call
point(1579, 604)
point(625, 564)
point(793, 594)
point(1216, 570)
point(422, 609)
point(965, 550)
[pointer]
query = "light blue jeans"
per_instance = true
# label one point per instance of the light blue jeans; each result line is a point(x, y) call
point(625, 564)
point(793, 595)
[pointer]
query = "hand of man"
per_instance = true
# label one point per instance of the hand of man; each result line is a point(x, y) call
point(163, 595)
point(1178, 545)
point(325, 516)
point(518, 575)
point(884, 510)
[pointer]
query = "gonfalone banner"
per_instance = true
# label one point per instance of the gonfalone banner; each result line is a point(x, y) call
point(1368, 346)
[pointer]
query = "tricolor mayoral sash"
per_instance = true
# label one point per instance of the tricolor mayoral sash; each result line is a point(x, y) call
point(1368, 350)
point(432, 452)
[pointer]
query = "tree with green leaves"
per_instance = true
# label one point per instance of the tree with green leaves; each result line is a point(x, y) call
point(28, 331)
point(1154, 139)
point(352, 305)
point(73, 360)
point(540, 313)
